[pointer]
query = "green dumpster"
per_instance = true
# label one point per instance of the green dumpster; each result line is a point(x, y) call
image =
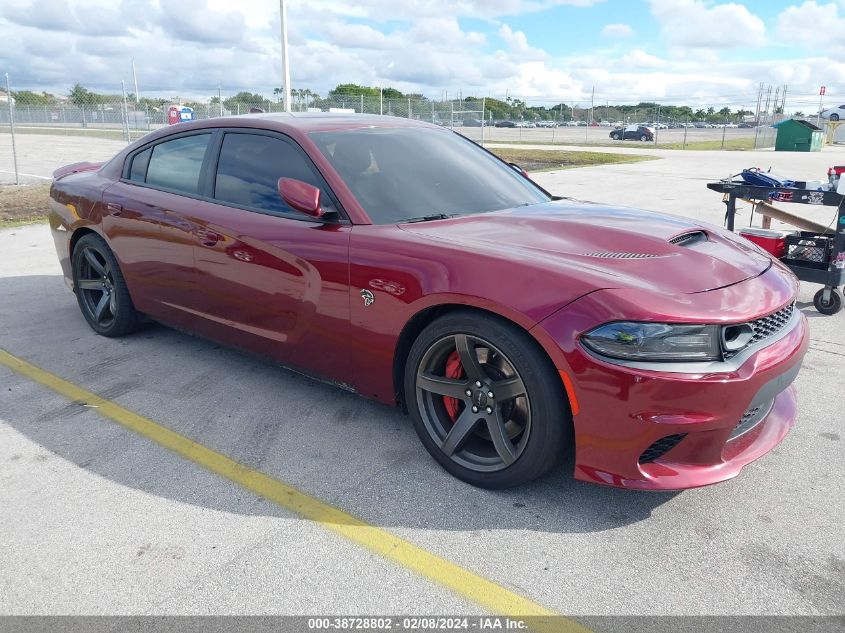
point(797, 135)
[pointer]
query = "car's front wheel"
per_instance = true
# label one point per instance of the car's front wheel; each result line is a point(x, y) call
point(101, 290)
point(834, 117)
point(486, 401)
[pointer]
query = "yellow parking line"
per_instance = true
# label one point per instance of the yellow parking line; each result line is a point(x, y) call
point(496, 598)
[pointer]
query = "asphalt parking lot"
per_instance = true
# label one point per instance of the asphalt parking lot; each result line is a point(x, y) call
point(97, 519)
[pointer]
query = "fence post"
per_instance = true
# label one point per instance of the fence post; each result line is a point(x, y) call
point(724, 127)
point(483, 118)
point(125, 113)
point(12, 128)
point(686, 126)
point(362, 103)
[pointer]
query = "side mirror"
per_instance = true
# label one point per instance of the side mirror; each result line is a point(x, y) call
point(301, 196)
point(519, 170)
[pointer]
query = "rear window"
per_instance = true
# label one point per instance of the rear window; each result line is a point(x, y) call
point(138, 170)
point(176, 164)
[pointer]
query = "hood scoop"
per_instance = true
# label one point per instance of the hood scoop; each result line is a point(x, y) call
point(689, 238)
point(618, 255)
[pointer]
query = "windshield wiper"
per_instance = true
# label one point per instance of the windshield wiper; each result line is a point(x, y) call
point(432, 216)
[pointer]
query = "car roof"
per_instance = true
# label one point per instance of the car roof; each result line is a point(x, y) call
point(311, 121)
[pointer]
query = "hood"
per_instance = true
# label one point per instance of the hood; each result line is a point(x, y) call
point(608, 247)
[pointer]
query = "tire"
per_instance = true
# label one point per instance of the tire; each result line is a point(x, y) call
point(101, 290)
point(615, 137)
point(834, 117)
point(832, 306)
point(533, 419)
point(644, 138)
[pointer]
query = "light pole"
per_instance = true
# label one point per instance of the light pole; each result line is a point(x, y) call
point(283, 14)
point(135, 81)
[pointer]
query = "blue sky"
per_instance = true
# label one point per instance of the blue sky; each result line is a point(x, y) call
point(705, 52)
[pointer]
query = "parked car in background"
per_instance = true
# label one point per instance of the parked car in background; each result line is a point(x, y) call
point(406, 263)
point(504, 124)
point(834, 114)
point(471, 123)
point(633, 132)
point(572, 124)
point(745, 125)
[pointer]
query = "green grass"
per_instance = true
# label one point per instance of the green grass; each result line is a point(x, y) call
point(549, 160)
point(14, 223)
point(88, 132)
point(732, 144)
point(23, 204)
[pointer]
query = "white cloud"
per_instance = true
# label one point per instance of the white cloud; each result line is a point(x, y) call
point(813, 26)
point(617, 31)
point(638, 58)
point(392, 10)
point(695, 24)
point(518, 44)
point(415, 47)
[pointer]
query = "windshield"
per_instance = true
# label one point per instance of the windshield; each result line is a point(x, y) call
point(399, 174)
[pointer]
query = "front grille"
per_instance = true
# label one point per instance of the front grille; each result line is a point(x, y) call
point(766, 327)
point(661, 447)
point(751, 418)
point(688, 239)
point(615, 255)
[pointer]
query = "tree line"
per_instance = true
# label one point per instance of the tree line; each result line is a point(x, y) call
point(349, 95)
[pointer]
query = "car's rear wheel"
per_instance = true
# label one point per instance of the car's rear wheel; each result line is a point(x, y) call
point(486, 401)
point(101, 290)
point(643, 138)
point(615, 137)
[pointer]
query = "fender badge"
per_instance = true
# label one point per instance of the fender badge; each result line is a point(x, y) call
point(368, 297)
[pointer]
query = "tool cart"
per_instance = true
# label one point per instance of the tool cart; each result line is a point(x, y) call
point(815, 257)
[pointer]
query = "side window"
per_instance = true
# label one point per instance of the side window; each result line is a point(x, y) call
point(138, 170)
point(249, 167)
point(176, 164)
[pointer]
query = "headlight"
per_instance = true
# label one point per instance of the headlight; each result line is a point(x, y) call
point(655, 341)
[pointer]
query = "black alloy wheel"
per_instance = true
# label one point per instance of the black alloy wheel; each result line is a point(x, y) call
point(101, 290)
point(489, 407)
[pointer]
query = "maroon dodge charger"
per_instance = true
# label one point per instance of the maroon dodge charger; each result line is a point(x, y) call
point(403, 261)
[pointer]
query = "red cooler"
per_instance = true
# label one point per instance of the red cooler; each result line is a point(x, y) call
point(769, 240)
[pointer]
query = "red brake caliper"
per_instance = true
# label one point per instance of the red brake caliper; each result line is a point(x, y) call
point(454, 369)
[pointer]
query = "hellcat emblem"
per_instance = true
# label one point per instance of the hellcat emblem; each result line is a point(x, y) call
point(368, 297)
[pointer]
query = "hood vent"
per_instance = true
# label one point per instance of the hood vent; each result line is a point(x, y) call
point(688, 239)
point(615, 255)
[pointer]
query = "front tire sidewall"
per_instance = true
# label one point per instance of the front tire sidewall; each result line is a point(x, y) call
point(551, 421)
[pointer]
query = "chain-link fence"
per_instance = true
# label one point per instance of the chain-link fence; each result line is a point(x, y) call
point(483, 119)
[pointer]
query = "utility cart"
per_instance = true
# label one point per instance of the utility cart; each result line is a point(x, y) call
point(815, 257)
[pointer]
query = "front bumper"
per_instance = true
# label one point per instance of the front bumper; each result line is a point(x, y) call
point(658, 430)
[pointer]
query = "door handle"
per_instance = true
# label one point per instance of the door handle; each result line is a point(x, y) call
point(207, 238)
point(113, 208)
